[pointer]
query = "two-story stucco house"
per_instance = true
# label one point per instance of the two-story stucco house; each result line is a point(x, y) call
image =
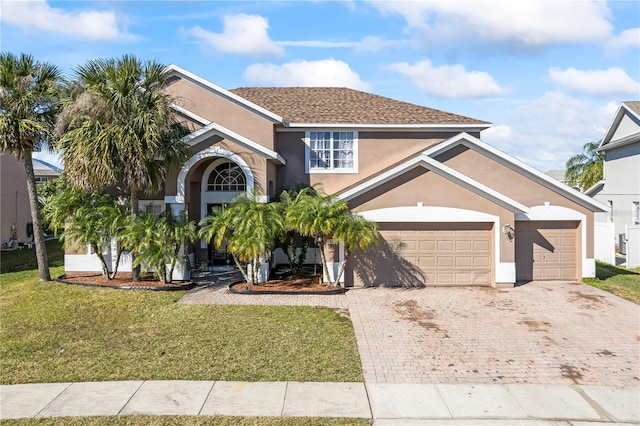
point(452, 210)
point(620, 187)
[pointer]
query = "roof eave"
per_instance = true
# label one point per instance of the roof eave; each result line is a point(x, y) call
point(620, 142)
point(378, 126)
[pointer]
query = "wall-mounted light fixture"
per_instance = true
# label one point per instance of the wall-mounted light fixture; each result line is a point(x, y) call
point(509, 232)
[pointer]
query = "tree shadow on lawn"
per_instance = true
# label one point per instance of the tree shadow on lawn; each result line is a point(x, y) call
point(605, 271)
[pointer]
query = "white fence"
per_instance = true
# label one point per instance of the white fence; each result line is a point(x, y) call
point(633, 246)
point(604, 243)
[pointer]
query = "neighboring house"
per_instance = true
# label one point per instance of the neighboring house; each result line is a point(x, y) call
point(15, 215)
point(558, 175)
point(620, 187)
point(452, 209)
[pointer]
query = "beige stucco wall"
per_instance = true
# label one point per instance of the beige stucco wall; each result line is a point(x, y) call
point(421, 185)
point(14, 200)
point(512, 184)
point(222, 111)
point(376, 151)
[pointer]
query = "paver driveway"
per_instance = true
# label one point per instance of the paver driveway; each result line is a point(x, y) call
point(542, 332)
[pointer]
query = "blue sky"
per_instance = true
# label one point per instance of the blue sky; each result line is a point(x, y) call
point(548, 74)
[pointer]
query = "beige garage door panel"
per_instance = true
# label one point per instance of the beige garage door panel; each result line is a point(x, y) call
point(547, 250)
point(447, 254)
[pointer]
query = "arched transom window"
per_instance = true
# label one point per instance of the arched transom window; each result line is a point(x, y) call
point(227, 176)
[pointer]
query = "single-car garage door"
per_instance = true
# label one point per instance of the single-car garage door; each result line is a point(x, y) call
point(546, 250)
point(442, 253)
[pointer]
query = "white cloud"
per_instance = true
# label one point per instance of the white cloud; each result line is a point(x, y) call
point(448, 81)
point(374, 44)
point(547, 131)
point(321, 73)
point(498, 132)
point(38, 16)
point(522, 23)
point(242, 34)
point(627, 39)
point(322, 44)
point(610, 82)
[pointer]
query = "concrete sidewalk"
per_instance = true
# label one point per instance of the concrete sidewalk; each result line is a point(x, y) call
point(386, 403)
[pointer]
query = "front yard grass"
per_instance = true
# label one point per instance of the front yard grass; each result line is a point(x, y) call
point(619, 281)
point(25, 259)
point(54, 332)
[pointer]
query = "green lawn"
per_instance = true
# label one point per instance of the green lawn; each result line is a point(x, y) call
point(54, 332)
point(619, 281)
point(190, 421)
point(25, 259)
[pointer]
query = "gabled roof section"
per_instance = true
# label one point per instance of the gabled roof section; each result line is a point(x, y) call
point(40, 167)
point(627, 108)
point(517, 166)
point(335, 106)
point(429, 163)
point(174, 70)
point(217, 129)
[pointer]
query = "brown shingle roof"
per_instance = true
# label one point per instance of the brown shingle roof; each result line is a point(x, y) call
point(339, 105)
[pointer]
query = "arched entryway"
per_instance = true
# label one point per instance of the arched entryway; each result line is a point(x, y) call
point(213, 176)
point(222, 181)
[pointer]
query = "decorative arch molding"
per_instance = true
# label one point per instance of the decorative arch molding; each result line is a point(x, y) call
point(210, 152)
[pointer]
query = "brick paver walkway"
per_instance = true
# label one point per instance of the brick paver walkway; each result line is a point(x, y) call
point(543, 332)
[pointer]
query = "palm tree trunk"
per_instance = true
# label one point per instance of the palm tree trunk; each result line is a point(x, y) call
point(325, 268)
point(242, 270)
point(115, 267)
point(135, 271)
point(36, 219)
point(103, 263)
point(342, 266)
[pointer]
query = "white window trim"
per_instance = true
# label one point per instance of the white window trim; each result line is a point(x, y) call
point(635, 214)
point(307, 153)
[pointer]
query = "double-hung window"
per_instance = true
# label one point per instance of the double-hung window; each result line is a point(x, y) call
point(331, 152)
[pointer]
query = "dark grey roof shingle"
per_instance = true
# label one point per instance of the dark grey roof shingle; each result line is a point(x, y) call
point(339, 105)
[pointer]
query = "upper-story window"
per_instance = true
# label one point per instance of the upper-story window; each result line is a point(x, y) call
point(227, 176)
point(331, 152)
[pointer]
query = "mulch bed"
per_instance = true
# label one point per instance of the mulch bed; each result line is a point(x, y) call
point(288, 285)
point(122, 281)
point(308, 284)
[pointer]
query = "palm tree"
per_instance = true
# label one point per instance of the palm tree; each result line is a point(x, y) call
point(120, 130)
point(318, 216)
point(28, 106)
point(92, 219)
point(249, 227)
point(216, 227)
point(355, 232)
point(287, 241)
point(158, 239)
point(585, 170)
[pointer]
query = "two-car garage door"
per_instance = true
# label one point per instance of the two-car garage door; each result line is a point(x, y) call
point(449, 254)
point(444, 253)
